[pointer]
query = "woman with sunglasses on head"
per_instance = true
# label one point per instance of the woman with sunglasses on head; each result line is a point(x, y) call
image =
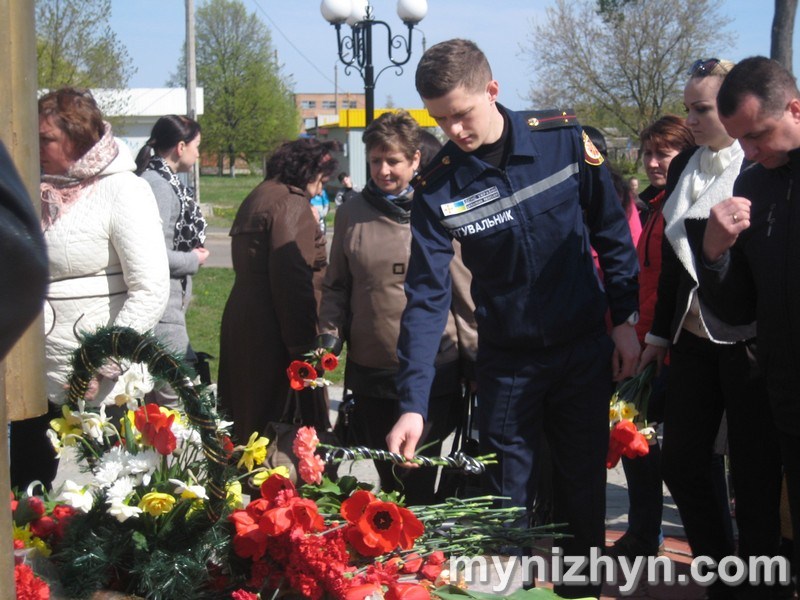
point(173, 148)
point(711, 374)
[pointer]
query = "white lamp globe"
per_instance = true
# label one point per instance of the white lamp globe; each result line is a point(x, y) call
point(336, 11)
point(412, 12)
point(358, 11)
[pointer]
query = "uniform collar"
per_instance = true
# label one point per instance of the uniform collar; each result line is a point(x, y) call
point(523, 148)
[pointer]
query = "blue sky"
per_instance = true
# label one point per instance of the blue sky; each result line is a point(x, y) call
point(153, 32)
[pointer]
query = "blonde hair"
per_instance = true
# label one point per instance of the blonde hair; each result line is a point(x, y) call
point(721, 69)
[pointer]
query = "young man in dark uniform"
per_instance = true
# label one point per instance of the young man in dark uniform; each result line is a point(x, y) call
point(526, 199)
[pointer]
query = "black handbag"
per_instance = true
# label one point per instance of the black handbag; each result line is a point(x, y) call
point(281, 434)
point(343, 429)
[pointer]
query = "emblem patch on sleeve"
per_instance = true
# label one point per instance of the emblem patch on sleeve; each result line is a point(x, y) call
point(591, 154)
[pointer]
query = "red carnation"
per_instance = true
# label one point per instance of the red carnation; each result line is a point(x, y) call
point(29, 587)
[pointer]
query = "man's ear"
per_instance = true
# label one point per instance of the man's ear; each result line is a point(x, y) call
point(492, 90)
point(794, 108)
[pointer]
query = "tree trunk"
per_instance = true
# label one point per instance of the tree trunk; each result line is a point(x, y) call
point(782, 32)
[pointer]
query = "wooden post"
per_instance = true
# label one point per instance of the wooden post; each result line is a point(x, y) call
point(22, 389)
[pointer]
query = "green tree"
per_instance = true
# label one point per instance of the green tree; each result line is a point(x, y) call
point(248, 105)
point(622, 63)
point(76, 46)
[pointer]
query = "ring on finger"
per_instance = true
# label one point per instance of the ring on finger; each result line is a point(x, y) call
point(735, 217)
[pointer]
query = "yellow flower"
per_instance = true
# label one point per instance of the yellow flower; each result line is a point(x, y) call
point(254, 452)
point(41, 547)
point(69, 425)
point(234, 494)
point(261, 476)
point(628, 411)
point(23, 534)
point(613, 412)
point(156, 503)
point(130, 418)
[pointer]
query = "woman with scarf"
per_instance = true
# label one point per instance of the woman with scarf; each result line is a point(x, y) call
point(173, 148)
point(363, 299)
point(108, 265)
point(711, 371)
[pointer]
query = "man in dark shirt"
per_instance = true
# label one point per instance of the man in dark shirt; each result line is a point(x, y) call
point(751, 244)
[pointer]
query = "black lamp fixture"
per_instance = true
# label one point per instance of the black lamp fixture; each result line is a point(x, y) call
point(355, 49)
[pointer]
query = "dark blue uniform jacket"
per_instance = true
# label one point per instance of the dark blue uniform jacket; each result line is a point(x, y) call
point(523, 231)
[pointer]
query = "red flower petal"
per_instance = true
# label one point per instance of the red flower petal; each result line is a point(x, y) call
point(354, 506)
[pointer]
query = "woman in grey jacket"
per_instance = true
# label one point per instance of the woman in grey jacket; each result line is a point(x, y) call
point(173, 148)
point(363, 299)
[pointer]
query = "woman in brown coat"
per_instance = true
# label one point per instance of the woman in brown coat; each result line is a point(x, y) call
point(270, 318)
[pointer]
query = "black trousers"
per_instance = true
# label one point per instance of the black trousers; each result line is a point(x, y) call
point(373, 418)
point(704, 380)
point(32, 455)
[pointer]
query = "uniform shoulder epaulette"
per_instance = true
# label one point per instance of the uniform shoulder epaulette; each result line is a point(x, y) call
point(540, 120)
point(437, 168)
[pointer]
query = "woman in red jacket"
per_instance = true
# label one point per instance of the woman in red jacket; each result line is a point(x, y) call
point(661, 141)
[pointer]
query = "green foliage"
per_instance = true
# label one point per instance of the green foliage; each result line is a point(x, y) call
point(627, 59)
point(249, 107)
point(75, 45)
point(100, 553)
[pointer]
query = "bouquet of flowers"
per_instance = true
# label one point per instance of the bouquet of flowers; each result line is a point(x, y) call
point(162, 514)
point(149, 519)
point(340, 540)
point(627, 418)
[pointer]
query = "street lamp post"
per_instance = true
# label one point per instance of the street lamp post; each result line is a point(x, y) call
point(355, 50)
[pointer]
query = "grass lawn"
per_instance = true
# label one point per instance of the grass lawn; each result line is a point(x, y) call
point(210, 292)
point(225, 194)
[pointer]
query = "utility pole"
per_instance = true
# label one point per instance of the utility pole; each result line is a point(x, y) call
point(191, 87)
point(22, 388)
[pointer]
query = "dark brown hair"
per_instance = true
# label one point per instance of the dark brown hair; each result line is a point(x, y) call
point(75, 112)
point(300, 161)
point(451, 64)
point(394, 130)
point(167, 133)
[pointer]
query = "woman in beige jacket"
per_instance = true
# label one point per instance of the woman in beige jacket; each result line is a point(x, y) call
point(363, 299)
